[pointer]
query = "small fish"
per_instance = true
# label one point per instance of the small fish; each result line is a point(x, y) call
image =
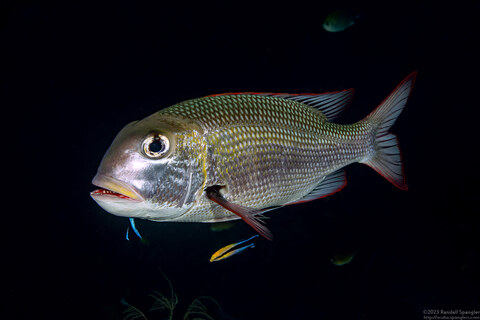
point(341, 259)
point(339, 20)
point(238, 155)
point(227, 252)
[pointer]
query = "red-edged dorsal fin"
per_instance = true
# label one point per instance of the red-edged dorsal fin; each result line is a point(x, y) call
point(331, 184)
point(331, 104)
point(247, 214)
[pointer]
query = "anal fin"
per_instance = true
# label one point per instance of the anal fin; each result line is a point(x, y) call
point(247, 214)
point(332, 183)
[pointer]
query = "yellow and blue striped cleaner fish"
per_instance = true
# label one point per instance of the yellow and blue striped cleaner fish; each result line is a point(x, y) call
point(236, 156)
point(227, 252)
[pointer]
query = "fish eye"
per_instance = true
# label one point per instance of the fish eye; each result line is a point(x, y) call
point(156, 146)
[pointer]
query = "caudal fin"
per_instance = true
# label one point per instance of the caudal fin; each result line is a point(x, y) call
point(387, 160)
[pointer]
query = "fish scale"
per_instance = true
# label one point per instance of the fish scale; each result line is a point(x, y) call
point(267, 151)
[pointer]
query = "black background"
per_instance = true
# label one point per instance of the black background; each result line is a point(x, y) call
point(75, 72)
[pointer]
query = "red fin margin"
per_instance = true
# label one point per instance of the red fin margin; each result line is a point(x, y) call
point(333, 183)
point(387, 161)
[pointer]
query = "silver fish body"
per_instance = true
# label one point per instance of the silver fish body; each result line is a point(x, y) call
point(258, 151)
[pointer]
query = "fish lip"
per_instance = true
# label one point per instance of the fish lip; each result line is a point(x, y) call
point(111, 184)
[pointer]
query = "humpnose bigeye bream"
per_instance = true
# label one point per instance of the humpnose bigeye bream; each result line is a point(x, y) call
point(231, 156)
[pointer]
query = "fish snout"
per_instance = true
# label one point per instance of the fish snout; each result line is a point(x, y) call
point(112, 188)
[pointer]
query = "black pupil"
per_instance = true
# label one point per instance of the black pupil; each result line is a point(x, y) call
point(157, 146)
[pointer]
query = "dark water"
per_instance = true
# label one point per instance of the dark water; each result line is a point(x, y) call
point(74, 73)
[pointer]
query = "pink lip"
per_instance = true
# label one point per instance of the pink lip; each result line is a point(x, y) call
point(114, 189)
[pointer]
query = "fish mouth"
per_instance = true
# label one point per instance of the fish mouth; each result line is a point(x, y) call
point(113, 190)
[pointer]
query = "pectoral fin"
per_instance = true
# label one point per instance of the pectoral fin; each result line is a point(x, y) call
point(247, 214)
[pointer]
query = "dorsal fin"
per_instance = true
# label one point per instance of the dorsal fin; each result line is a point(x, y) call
point(332, 183)
point(331, 104)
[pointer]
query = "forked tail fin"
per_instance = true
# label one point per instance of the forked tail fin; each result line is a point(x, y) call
point(387, 160)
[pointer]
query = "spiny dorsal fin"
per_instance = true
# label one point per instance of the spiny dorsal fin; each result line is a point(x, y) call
point(331, 104)
point(332, 183)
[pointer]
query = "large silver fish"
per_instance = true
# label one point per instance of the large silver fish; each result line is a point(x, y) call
point(232, 156)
